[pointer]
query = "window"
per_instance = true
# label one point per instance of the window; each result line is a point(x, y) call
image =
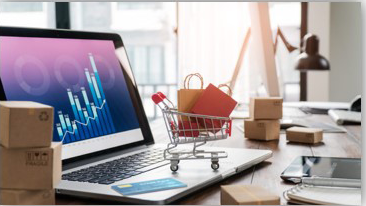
point(27, 14)
point(139, 5)
point(147, 30)
point(287, 16)
point(23, 7)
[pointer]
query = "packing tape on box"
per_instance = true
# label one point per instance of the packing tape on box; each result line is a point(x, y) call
point(259, 201)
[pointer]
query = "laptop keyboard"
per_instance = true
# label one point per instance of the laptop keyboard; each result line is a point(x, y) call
point(119, 169)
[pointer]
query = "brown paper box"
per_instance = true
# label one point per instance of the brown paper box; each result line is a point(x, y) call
point(262, 129)
point(266, 108)
point(25, 124)
point(186, 99)
point(30, 168)
point(247, 195)
point(304, 135)
point(27, 197)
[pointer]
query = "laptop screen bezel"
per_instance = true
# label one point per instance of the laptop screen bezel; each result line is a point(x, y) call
point(131, 83)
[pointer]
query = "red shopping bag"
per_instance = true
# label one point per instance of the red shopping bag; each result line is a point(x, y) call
point(186, 129)
point(214, 102)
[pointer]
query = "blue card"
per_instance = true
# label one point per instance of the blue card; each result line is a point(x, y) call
point(148, 186)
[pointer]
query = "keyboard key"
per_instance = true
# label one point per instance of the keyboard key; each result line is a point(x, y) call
point(138, 167)
point(72, 179)
point(135, 160)
point(95, 180)
point(145, 164)
point(104, 178)
point(106, 182)
point(66, 178)
point(115, 179)
point(127, 176)
point(122, 176)
point(73, 174)
point(145, 160)
point(133, 173)
point(85, 179)
point(122, 172)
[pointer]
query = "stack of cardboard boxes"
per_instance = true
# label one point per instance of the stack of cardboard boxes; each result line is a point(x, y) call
point(30, 166)
point(264, 122)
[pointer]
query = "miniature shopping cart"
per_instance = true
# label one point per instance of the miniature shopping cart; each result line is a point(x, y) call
point(187, 128)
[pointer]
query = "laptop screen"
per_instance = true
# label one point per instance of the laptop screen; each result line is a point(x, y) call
point(84, 82)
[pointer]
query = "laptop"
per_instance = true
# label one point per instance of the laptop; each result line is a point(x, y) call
point(99, 116)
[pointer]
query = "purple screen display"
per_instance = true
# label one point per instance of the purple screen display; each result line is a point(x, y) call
point(81, 79)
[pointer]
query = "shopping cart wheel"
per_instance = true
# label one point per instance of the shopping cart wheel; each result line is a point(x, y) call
point(174, 168)
point(215, 166)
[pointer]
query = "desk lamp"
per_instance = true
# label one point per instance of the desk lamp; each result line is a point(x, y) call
point(310, 59)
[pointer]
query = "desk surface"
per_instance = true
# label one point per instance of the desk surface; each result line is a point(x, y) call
point(266, 174)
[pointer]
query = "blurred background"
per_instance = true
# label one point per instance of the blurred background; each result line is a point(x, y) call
point(166, 41)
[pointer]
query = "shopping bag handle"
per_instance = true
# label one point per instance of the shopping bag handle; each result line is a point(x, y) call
point(188, 79)
point(229, 91)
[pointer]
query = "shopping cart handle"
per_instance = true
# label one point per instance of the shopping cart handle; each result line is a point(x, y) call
point(228, 130)
point(161, 95)
point(156, 98)
point(230, 127)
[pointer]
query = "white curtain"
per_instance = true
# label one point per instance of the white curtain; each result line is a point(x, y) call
point(210, 36)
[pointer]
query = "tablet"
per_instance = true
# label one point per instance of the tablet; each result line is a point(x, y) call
point(330, 167)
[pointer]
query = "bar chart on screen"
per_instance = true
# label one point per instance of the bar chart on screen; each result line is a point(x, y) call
point(92, 120)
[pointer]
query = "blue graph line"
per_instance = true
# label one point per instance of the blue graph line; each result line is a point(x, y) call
point(97, 110)
point(85, 124)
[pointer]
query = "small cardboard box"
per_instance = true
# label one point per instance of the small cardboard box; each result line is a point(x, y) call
point(265, 108)
point(25, 124)
point(247, 195)
point(30, 168)
point(304, 135)
point(262, 129)
point(27, 197)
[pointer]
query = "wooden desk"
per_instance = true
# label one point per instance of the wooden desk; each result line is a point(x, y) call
point(266, 174)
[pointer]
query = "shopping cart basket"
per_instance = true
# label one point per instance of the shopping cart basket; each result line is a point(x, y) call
point(187, 128)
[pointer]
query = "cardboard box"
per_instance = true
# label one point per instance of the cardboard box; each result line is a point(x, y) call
point(262, 129)
point(30, 168)
point(304, 135)
point(27, 197)
point(25, 124)
point(265, 108)
point(247, 195)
